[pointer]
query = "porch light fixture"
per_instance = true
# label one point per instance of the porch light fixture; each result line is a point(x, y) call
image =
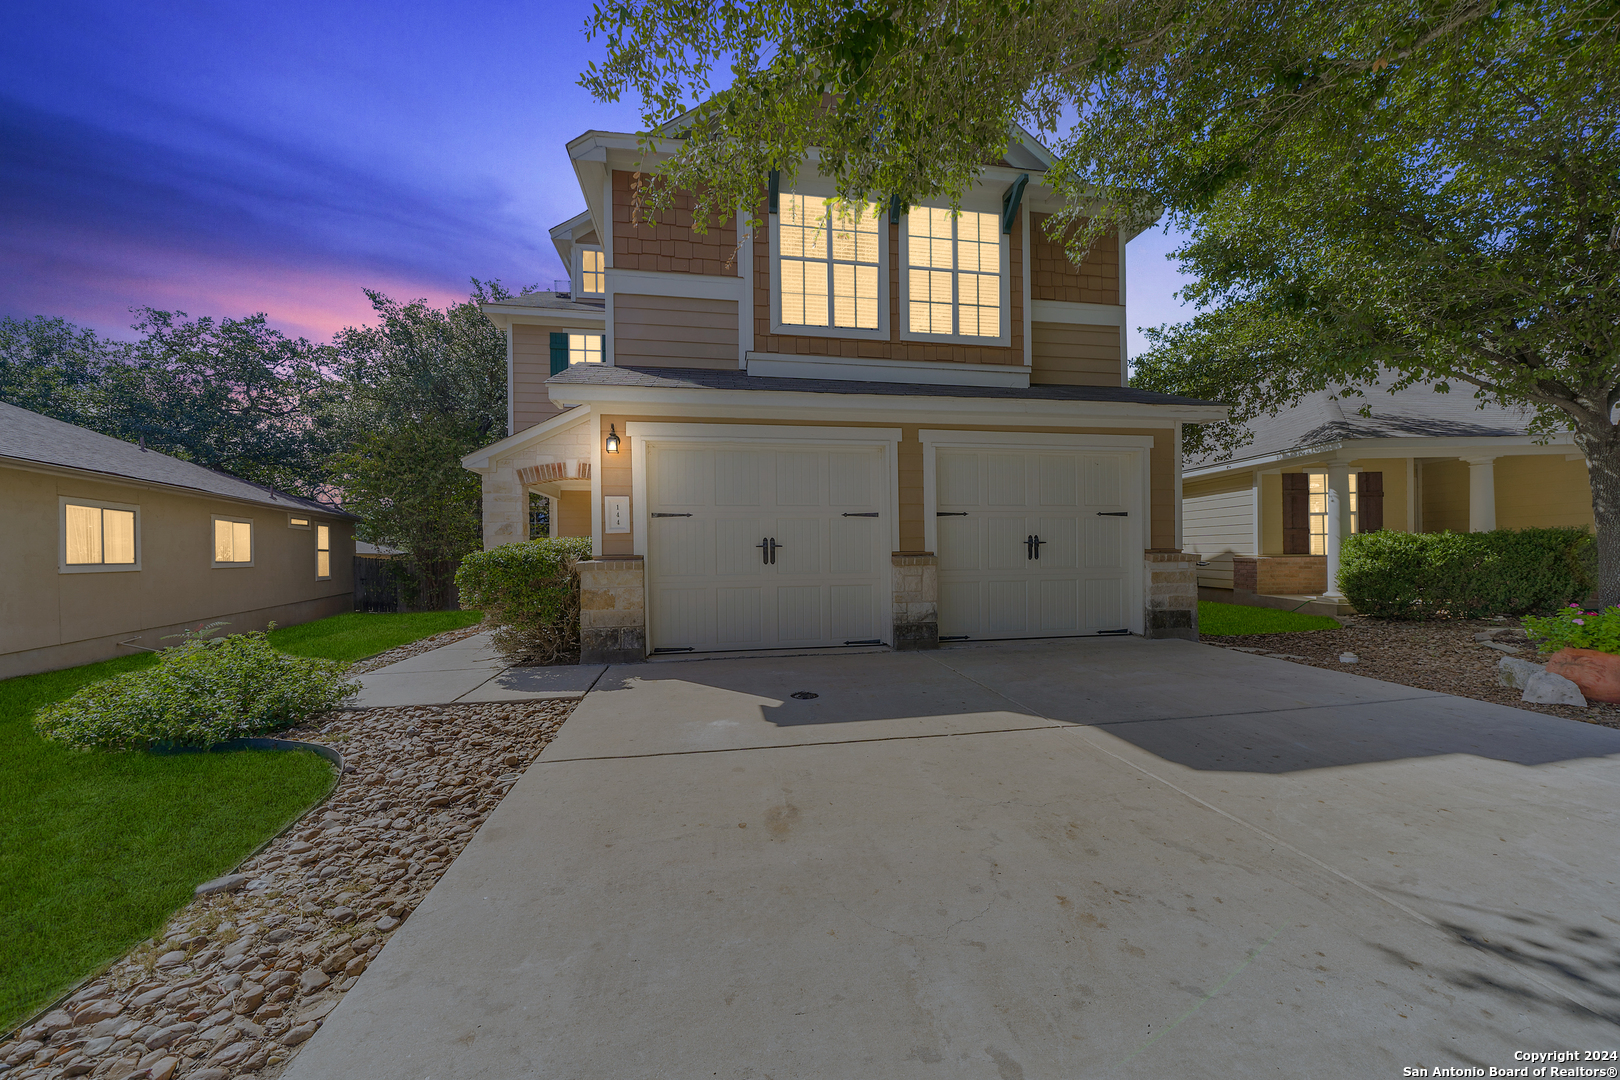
point(612, 440)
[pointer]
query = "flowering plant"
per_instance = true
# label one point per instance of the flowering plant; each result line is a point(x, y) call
point(1572, 627)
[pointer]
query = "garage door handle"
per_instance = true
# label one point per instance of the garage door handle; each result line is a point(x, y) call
point(672, 515)
point(1113, 513)
point(874, 513)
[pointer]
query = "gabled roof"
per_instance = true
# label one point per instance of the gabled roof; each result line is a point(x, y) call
point(677, 379)
point(1416, 412)
point(29, 437)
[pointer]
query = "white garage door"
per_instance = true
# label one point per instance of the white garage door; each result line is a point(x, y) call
point(753, 547)
point(1037, 543)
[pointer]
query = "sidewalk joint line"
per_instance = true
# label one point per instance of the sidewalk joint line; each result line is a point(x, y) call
point(1052, 725)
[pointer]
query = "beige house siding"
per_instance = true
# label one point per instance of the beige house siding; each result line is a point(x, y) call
point(50, 619)
point(616, 474)
point(894, 348)
point(1075, 355)
point(1217, 522)
point(674, 331)
point(670, 244)
point(531, 367)
point(1445, 496)
point(1394, 470)
point(1054, 277)
point(1542, 490)
point(573, 510)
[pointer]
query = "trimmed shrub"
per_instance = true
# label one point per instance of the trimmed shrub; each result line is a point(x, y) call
point(202, 692)
point(1572, 627)
point(1394, 575)
point(530, 592)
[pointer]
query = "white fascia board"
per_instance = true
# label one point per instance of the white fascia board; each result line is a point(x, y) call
point(1416, 446)
point(505, 315)
point(479, 460)
point(1063, 311)
point(673, 283)
point(857, 369)
point(795, 405)
point(562, 237)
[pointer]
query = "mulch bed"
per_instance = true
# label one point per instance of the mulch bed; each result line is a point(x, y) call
point(239, 979)
point(1440, 656)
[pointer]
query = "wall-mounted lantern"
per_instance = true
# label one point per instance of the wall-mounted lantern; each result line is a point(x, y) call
point(612, 440)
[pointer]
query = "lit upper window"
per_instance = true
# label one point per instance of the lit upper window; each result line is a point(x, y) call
point(592, 279)
point(233, 542)
point(323, 551)
point(584, 348)
point(953, 279)
point(828, 264)
point(97, 535)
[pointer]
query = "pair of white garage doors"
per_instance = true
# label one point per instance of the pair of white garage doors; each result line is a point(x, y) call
point(760, 546)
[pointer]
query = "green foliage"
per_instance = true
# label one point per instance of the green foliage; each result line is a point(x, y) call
point(1395, 575)
point(355, 635)
point(1571, 627)
point(100, 848)
point(199, 693)
point(1226, 620)
point(530, 592)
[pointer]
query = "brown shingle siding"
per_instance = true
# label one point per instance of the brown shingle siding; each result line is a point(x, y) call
point(669, 245)
point(1054, 277)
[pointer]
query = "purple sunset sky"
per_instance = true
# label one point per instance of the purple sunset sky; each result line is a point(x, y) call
point(223, 159)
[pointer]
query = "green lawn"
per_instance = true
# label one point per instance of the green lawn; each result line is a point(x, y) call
point(1219, 620)
point(359, 634)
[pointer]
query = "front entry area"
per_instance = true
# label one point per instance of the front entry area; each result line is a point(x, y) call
point(760, 546)
point(1043, 543)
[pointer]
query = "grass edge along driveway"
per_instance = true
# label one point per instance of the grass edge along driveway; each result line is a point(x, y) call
point(101, 848)
point(1225, 620)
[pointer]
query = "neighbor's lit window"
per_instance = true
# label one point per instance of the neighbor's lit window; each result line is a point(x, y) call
point(98, 535)
point(323, 551)
point(828, 266)
point(1319, 511)
point(953, 273)
point(233, 542)
point(592, 272)
point(584, 348)
point(298, 523)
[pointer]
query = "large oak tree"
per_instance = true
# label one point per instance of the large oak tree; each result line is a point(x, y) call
point(1426, 188)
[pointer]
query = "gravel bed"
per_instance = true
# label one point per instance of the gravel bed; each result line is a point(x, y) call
point(415, 648)
point(1441, 656)
point(239, 978)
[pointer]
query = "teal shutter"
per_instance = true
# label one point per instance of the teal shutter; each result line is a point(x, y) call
point(559, 353)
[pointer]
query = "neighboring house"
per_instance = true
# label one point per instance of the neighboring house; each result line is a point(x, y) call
point(1263, 523)
point(894, 428)
point(109, 547)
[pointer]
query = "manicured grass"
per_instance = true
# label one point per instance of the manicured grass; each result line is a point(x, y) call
point(359, 634)
point(97, 849)
point(1218, 620)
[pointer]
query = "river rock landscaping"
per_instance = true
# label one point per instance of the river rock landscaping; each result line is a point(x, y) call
point(1452, 657)
point(248, 971)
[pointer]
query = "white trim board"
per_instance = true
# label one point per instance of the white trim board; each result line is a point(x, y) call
point(675, 283)
point(858, 369)
point(1062, 311)
point(480, 460)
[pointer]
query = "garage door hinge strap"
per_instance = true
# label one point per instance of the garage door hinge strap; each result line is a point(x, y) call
point(872, 514)
point(950, 513)
point(1113, 513)
point(672, 515)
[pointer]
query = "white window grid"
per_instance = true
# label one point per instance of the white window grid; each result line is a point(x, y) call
point(955, 269)
point(232, 540)
point(829, 266)
point(590, 278)
point(98, 536)
point(584, 348)
point(1319, 511)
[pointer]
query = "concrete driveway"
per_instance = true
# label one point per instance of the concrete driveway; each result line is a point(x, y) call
point(1098, 858)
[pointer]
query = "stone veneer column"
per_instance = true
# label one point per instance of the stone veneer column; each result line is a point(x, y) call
point(916, 602)
point(506, 506)
point(1172, 595)
point(612, 610)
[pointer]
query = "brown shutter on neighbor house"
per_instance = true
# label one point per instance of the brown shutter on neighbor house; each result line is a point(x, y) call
point(1296, 513)
point(1370, 502)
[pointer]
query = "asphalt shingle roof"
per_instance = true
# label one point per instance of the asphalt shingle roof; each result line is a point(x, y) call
point(1418, 411)
point(705, 379)
point(28, 436)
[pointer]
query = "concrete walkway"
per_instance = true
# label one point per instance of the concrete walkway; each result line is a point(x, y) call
point(470, 671)
point(1101, 858)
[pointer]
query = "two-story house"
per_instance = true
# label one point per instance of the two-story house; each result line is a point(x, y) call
point(897, 425)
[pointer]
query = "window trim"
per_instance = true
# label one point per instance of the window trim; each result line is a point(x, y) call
point(578, 281)
point(904, 331)
point(318, 528)
point(253, 543)
point(825, 189)
point(62, 566)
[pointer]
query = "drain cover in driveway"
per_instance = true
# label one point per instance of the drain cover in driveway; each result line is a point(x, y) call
point(805, 695)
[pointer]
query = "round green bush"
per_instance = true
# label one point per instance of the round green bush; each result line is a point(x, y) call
point(1396, 575)
point(530, 592)
point(200, 693)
